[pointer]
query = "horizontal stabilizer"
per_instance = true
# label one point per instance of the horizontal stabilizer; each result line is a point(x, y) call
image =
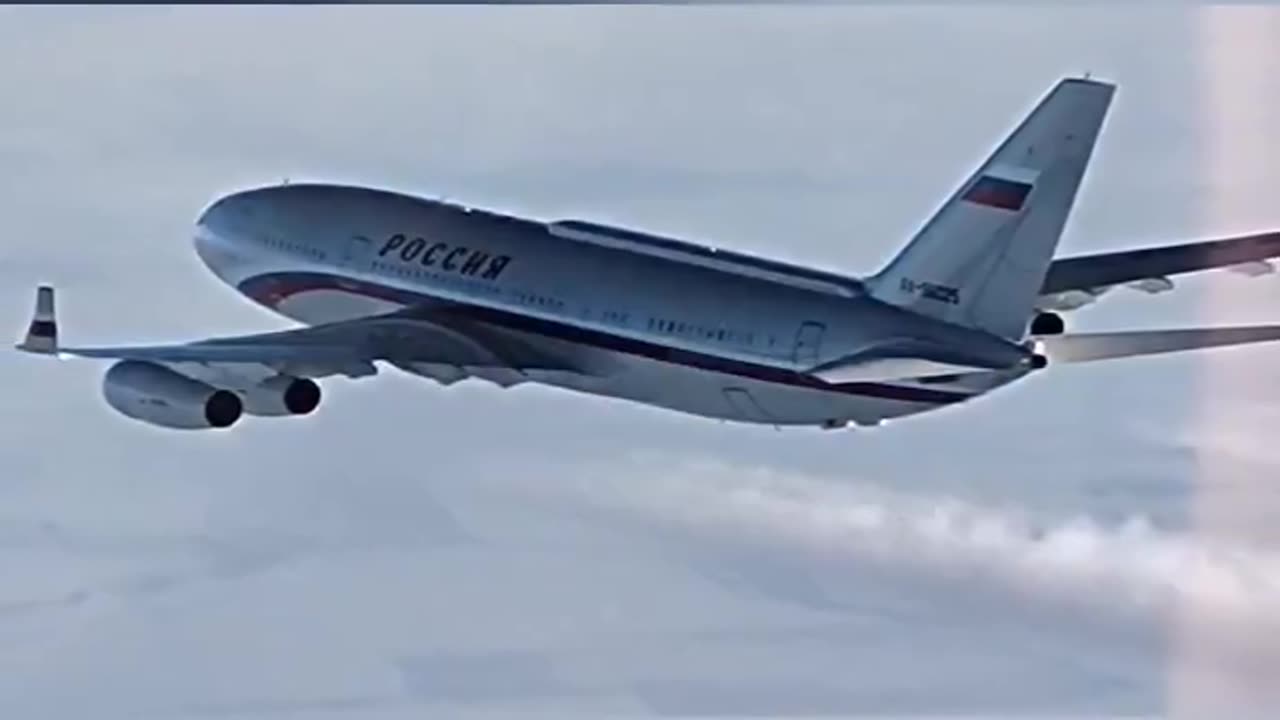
point(1087, 347)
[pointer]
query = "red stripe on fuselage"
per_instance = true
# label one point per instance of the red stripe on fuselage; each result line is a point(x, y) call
point(286, 285)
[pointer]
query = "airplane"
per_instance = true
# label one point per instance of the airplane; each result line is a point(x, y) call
point(376, 278)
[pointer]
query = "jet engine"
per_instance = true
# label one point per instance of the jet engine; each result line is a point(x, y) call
point(157, 395)
point(282, 395)
point(1047, 323)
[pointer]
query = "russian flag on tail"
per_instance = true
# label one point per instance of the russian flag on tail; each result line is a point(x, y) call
point(997, 192)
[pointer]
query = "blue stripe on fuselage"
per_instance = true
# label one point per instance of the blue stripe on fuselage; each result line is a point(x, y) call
point(269, 289)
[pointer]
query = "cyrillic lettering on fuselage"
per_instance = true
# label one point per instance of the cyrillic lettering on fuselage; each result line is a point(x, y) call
point(456, 258)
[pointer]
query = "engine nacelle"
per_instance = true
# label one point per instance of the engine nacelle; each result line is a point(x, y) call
point(1047, 323)
point(282, 395)
point(157, 395)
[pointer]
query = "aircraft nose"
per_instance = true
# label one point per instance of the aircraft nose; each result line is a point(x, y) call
point(222, 213)
point(216, 231)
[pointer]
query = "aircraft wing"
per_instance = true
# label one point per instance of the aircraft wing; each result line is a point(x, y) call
point(1088, 347)
point(411, 339)
point(1076, 281)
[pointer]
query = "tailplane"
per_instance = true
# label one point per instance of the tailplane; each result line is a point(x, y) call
point(981, 260)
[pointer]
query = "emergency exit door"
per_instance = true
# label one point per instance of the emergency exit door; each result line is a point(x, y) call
point(357, 252)
point(808, 344)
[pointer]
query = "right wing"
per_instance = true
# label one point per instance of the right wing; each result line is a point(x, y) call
point(1076, 281)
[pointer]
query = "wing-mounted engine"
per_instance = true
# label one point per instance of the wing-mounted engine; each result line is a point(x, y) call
point(157, 395)
point(280, 396)
point(214, 382)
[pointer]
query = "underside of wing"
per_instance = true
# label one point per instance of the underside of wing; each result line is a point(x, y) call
point(429, 341)
point(213, 383)
point(1089, 347)
point(1077, 281)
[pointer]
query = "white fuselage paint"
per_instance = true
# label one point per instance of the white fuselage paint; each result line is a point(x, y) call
point(328, 246)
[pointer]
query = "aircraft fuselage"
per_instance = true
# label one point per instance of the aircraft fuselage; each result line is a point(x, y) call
point(449, 292)
point(677, 326)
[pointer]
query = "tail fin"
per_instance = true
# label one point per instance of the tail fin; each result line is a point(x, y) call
point(981, 260)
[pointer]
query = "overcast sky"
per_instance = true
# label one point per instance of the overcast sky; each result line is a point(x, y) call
point(1078, 542)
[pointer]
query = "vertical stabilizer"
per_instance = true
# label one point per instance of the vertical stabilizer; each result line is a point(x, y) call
point(981, 260)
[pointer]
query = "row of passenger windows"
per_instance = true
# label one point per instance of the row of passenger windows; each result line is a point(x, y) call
point(462, 282)
point(703, 332)
point(446, 279)
point(535, 300)
point(675, 328)
point(662, 325)
point(294, 248)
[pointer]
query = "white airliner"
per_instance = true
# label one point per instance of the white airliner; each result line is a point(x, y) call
point(450, 292)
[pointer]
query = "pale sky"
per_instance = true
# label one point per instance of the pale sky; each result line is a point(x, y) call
point(411, 548)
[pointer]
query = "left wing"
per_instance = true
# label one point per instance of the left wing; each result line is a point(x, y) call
point(410, 338)
point(1076, 281)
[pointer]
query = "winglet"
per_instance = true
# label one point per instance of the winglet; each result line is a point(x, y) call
point(42, 334)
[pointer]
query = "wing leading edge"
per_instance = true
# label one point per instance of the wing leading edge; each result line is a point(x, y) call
point(405, 338)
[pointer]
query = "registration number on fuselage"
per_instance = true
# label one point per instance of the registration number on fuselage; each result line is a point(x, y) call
point(931, 291)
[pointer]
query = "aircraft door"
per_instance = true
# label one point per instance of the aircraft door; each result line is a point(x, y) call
point(805, 353)
point(357, 252)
